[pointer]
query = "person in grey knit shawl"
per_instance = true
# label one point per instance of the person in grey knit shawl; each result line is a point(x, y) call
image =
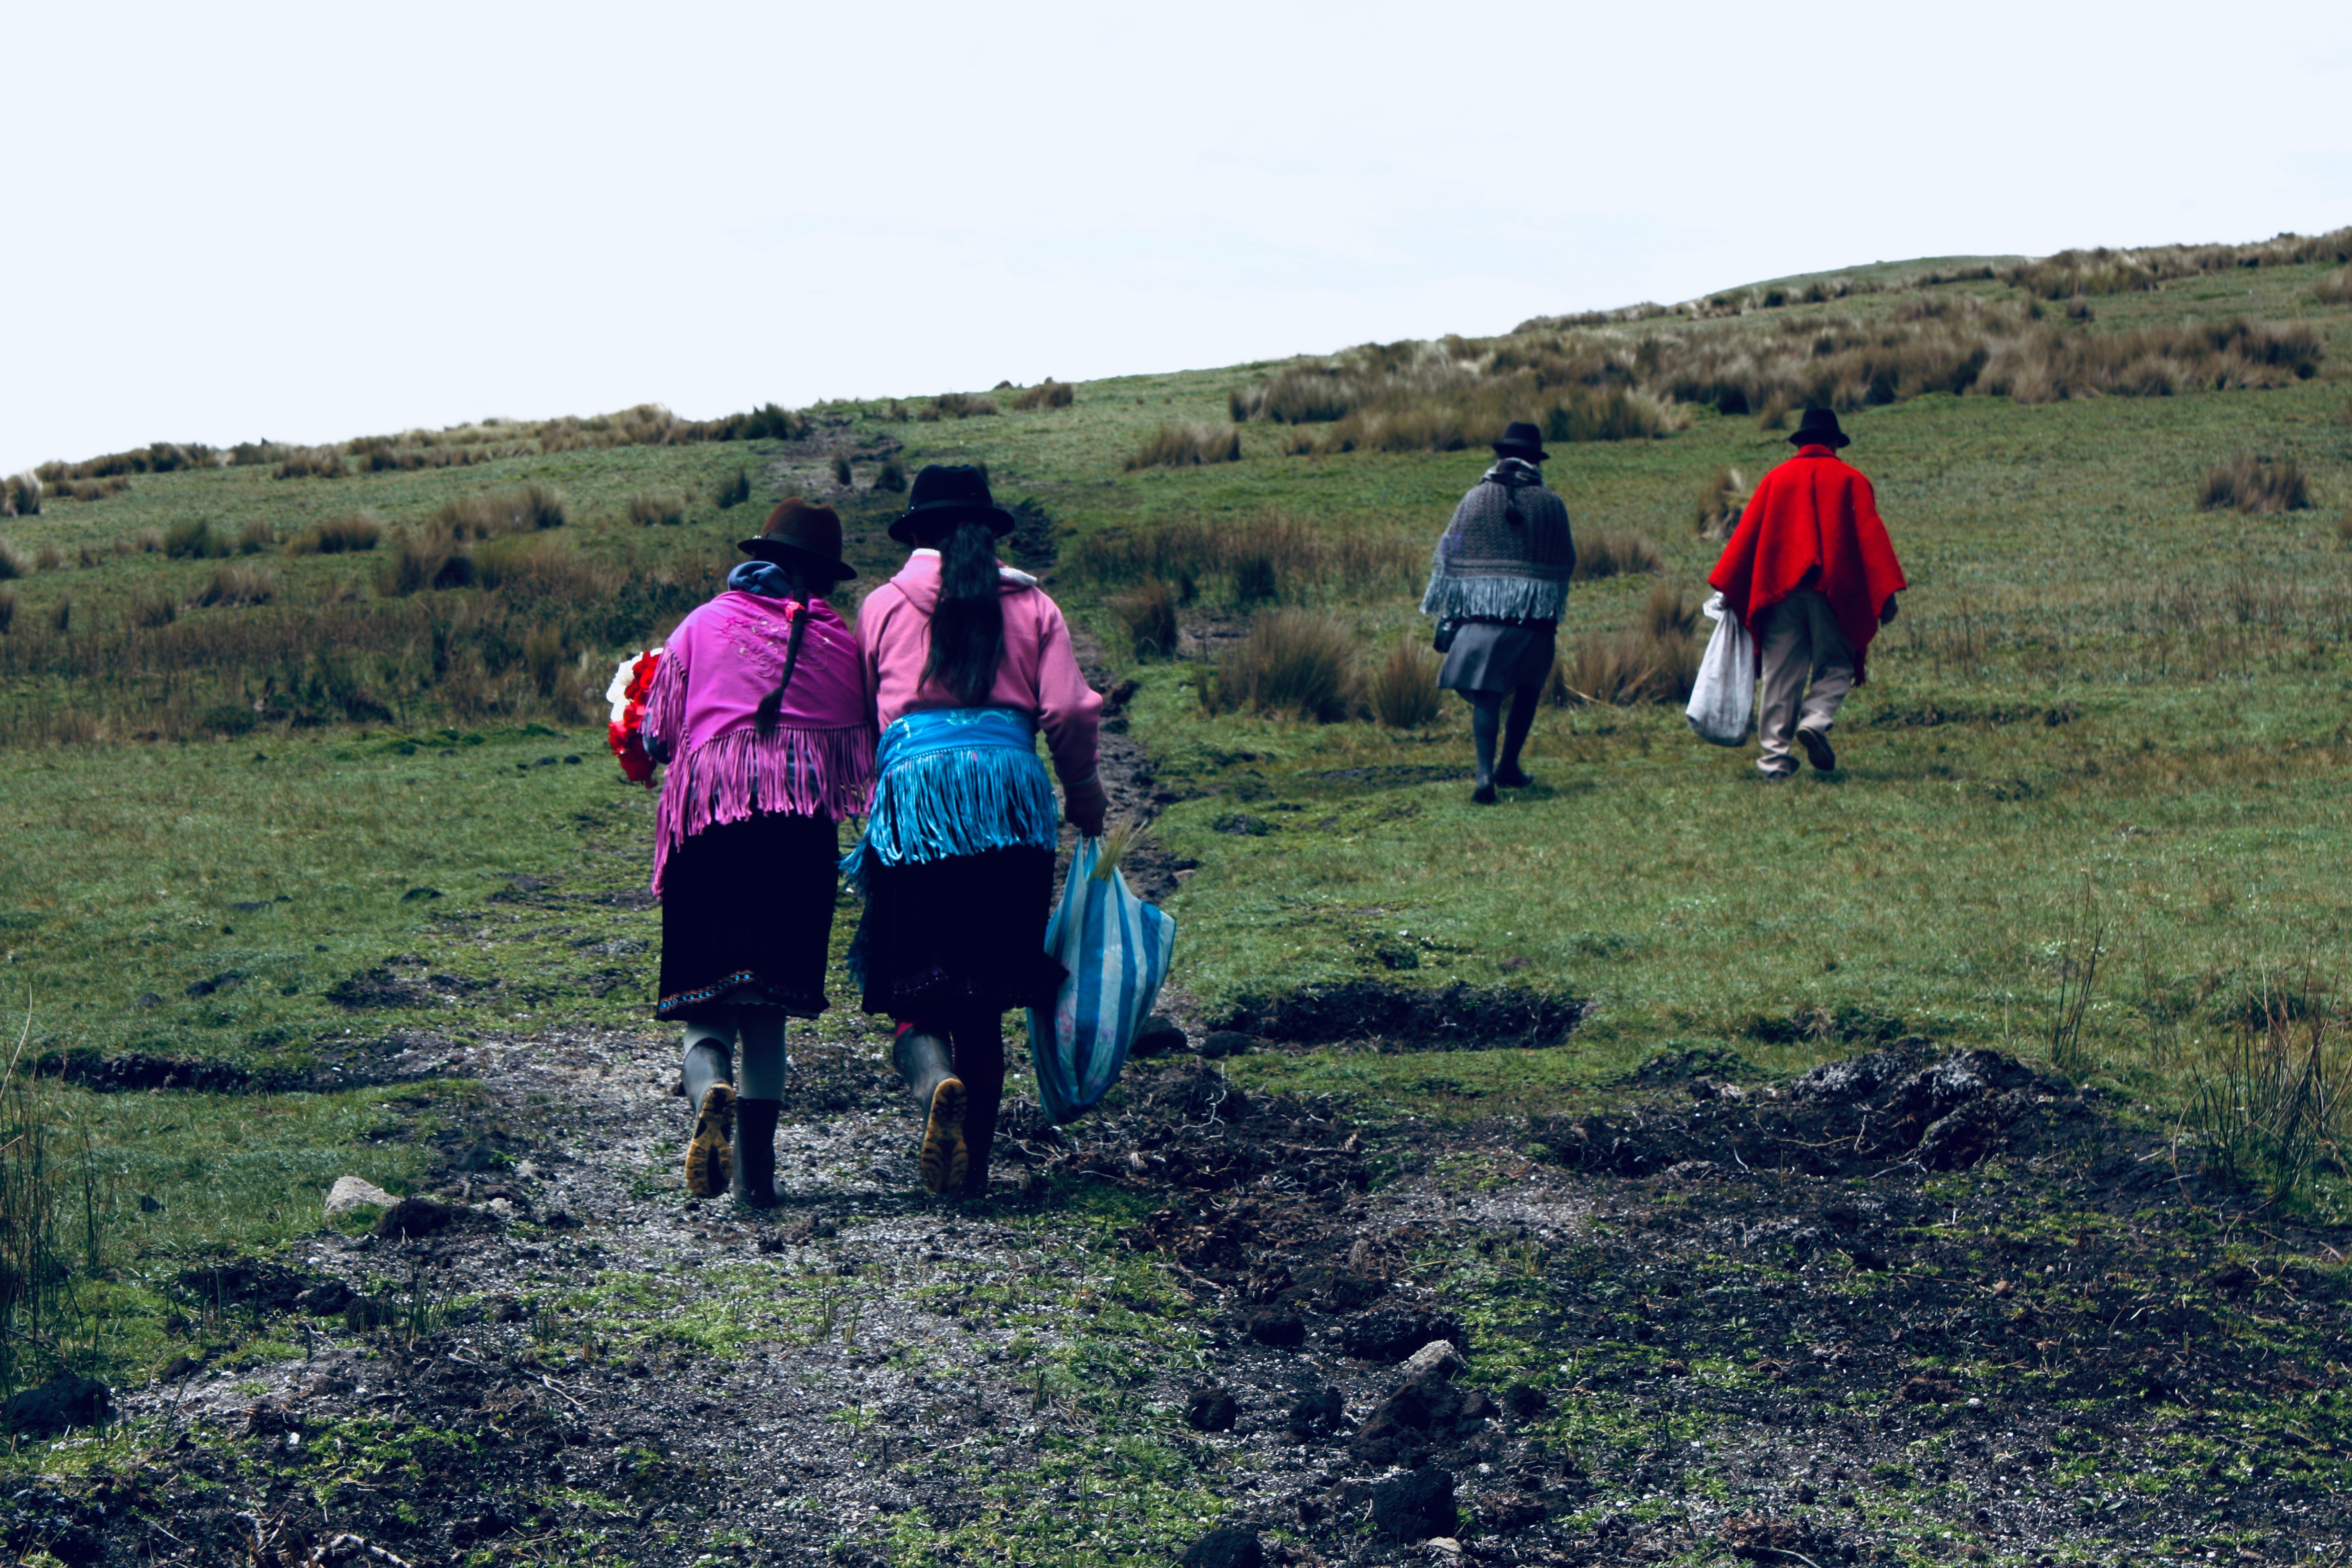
point(1497, 585)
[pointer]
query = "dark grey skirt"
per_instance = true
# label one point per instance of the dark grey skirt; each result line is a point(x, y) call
point(1500, 656)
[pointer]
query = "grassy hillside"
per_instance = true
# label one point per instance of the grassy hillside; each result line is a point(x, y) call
point(279, 808)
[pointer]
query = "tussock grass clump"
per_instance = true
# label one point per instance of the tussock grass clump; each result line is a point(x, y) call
point(321, 463)
point(257, 537)
point(1294, 664)
point(1402, 691)
point(735, 492)
point(90, 489)
point(1669, 613)
point(7, 609)
point(890, 479)
point(148, 608)
point(2274, 1101)
point(542, 568)
point(49, 558)
point(1262, 560)
point(2107, 271)
point(1148, 615)
point(1046, 393)
point(1720, 501)
point(1186, 446)
point(1614, 551)
point(430, 557)
point(61, 617)
point(2336, 289)
point(233, 587)
point(193, 540)
point(957, 405)
point(842, 475)
point(500, 512)
point(2252, 484)
point(1628, 668)
point(342, 535)
point(13, 564)
point(664, 509)
point(20, 495)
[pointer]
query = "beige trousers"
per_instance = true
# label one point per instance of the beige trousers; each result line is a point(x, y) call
point(1802, 644)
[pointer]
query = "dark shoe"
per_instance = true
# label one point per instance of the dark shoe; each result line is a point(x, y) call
point(755, 1152)
point(1512, 777)
point(922, 1059)
point(710, 1089)
point(1817, 748)
point(1482, 795)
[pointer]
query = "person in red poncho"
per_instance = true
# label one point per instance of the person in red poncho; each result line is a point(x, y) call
point(1811, 575)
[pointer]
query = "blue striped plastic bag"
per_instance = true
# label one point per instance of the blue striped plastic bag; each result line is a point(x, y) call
point(1116, 948)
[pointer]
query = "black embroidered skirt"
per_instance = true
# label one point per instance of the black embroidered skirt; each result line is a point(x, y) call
point(747, 918)
point(957, 935)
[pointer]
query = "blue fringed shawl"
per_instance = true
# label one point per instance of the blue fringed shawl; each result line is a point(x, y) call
point(955, 781)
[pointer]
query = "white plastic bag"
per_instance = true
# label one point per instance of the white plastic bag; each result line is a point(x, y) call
point(1116, 948)
point(1723, 698)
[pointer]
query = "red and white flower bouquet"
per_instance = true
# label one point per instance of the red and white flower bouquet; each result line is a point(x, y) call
point(626, 734)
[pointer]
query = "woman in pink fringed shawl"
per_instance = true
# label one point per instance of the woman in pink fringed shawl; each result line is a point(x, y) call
point(760, 710)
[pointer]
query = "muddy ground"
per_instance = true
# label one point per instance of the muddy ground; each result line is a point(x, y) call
point(1909, 1306)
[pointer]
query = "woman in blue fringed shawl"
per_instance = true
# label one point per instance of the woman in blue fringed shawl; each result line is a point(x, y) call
point(969, 661)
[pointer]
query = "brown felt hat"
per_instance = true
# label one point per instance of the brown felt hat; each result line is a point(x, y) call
point(800, 533)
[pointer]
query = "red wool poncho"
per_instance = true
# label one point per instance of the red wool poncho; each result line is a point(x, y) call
point(1812, 523)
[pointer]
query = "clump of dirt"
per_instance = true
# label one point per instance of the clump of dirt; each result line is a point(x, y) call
point(1385, 1016)
point(1850, 1115)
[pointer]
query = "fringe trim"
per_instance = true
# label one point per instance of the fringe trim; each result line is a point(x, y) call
point(963, 802)
point(1494, 598)
point(734, 777)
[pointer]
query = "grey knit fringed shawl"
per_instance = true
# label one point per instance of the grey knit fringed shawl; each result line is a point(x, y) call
point(1508, 554)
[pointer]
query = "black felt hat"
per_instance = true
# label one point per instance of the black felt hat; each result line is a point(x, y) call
point(1521, 439)
point(950, 492)
point(800, 533)
point(1818, 428)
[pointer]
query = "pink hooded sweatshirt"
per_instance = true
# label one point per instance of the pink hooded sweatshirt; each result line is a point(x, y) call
point(1039, 676)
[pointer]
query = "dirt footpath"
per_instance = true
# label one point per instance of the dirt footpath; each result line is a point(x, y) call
point(1910, 1307)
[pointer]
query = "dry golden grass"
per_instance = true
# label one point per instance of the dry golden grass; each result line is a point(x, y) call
point(1187, 446)
point(1720, 501)
point(338, 536)
point(2252, 484)
point(2336, 289)
point(234, 587)
point(325, 463)
point(257, 537)
point(1294, 664)
point(1627, 669)
point(1046, 393)
point(13, 564)
point(20, 495)
point(1402, 691)
point(1147, 615)
point(148, 608)
point(664, 509)
point(1612, 551)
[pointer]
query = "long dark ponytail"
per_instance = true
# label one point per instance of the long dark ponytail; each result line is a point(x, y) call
point(772, 706)
point(968, 626)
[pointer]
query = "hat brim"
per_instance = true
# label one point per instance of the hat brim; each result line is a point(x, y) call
point(1818, 438)
point(1517, 449)
point(1000, 522)
point(783, 554)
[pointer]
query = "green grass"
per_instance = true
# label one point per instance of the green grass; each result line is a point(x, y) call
point(2060, 568)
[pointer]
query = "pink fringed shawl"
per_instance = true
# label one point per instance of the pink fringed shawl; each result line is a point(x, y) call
point(701, 719)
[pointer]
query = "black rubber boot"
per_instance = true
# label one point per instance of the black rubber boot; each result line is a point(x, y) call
point(979, 1062)
point(923, 1060)
point(710, 1077)
point(755, 1152)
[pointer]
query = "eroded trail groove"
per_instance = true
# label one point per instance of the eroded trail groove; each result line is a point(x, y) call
point(1910, 1304)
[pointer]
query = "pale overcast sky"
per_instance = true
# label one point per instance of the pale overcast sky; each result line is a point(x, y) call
point(310, 222)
